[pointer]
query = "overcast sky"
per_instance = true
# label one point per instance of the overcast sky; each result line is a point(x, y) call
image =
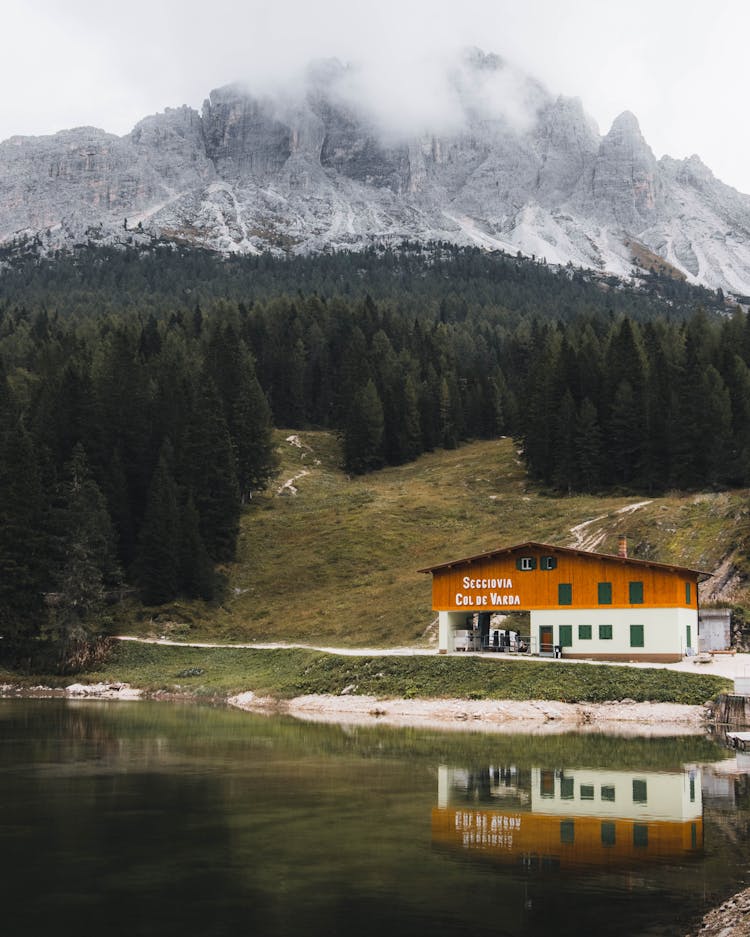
point(680, 66)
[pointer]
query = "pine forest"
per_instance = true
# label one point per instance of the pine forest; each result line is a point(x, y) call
point(139, 390)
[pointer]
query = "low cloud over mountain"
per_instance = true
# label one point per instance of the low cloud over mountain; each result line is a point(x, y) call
point(480, 153)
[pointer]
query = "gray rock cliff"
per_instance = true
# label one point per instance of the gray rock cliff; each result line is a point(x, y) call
point(315, 169)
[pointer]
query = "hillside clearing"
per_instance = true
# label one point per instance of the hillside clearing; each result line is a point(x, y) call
point(334, 561)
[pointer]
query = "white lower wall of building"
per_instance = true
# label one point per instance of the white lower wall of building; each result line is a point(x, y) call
point(666, 631)
point(448, 624)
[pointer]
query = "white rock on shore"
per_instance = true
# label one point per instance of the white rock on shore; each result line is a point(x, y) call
point(539, 716)
point(731, 919)
point(103, 691)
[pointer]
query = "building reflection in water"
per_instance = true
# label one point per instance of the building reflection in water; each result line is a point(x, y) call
point(569, 818)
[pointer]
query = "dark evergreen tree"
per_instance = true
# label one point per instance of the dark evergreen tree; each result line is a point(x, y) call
point(625, 387)
point(408, 430)
point(251, 432)
point(86, 564)
point(197, 578)
point(713, 426)
point(121, 388)
point(24, 548)
point(565, 471)
point(540, 413)
point(159, 540)
point(363, 436)
point(588, 444)
point(738, 381)
point(209, 473)
point(625, 435)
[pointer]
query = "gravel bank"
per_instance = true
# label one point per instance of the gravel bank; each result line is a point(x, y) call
point(509, 716)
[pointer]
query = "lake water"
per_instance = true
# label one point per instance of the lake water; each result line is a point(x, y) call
point(158, 819)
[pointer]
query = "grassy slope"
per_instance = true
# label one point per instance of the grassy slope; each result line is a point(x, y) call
point(336, 563)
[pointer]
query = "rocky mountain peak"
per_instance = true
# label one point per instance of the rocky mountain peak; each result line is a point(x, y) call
point(316, 168)
point(567, 141)
point(625, 183)
point(626, 125)
point(479, 60)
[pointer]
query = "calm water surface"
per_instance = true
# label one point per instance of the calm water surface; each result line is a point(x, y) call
point(141, 819)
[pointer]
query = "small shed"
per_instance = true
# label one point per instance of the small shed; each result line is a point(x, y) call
point(714, 629)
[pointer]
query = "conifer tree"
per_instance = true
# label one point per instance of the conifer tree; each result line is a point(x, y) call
point(564, 476)
point(157, 562)
point(738, 381)
point(588, 444)
point(713, 427)
point(363, 436)
point(409, 433)
point(210, 475)
point(121, 389)
point(197, 578)
point(429, 408)
point(246, 409)
point(24, 548)
point(449, 406)
point(252, 433)
point(86, 565)
point(625, 435)
point(542, 402)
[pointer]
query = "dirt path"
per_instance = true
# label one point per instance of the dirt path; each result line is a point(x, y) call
point(585, 538)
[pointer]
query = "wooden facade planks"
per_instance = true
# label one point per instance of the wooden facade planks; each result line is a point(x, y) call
point(494, 581)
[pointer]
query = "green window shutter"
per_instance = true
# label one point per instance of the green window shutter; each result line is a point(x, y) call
point(608, 793)
point(605, 593)
point(689, 636)
point(564, 593)
point(635, 593)
point(566, 636)
point(605, 632)
point(567, 788)
point(549, 562)
point(688, 594)
point(608, 834)
point(567, 831)
point(584, 632)
point(636, 635)
point(525, 563)
point(587, 792)
point(640, 834)
point(640, 792)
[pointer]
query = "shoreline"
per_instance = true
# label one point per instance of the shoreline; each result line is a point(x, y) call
point(496, 716)
point(550, 717)
point(730, 919)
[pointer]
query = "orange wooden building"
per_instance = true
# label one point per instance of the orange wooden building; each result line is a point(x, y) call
point(581, 604)
point(573, 818)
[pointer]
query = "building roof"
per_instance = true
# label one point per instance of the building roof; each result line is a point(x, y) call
point(532, 545)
